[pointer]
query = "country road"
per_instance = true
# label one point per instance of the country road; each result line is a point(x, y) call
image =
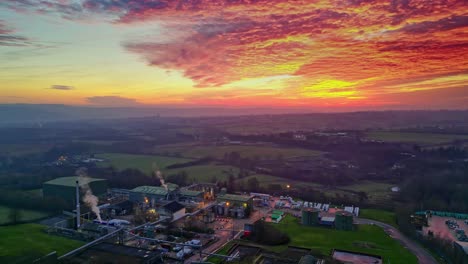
point(424, 257)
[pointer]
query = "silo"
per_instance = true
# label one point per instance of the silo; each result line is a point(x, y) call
point(344, 221)
point(310, 217)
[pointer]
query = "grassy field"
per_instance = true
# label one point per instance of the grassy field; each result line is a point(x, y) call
point(379, 215)
point(26, 215)
point(367, 239)
point(205, 173)
point(24, 243)
point(419, 138)
point(222, 251)
point(263, 152)
point(141, 162)
point(375, 191)
point(266, 180)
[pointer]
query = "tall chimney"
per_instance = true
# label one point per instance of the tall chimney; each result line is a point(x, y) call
point(78, 213)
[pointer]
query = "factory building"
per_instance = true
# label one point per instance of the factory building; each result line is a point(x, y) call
point(310, 217)
point(65, 188)
point(153, 194)
point(173, 209)
point(189, 195)
point(236, 200)
point(344, 221)
point(238, 206)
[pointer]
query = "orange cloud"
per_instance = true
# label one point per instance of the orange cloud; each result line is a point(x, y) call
point(331, 51)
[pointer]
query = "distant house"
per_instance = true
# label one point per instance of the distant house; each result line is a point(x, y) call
point(174, 209)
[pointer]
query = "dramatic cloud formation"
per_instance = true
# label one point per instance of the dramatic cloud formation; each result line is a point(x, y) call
point(303, 52)
point(62, 87)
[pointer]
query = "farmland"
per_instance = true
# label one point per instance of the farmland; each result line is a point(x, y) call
point(141, 162)
point(375, 191)
point(262, 152)
point(417, 138)
point(29, 241)
point(205, 173)
point(366, 239)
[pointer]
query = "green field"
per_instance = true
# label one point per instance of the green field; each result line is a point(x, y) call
point(375, 191)
point(26, 215)
point(262, 152)
point(266, 180)
point(419, 138)
point(141, 162)
point(366, 239)
point(379, 215)
point(205, 173)
point(24, 243)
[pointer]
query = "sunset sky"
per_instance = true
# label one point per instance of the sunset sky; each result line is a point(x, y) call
point(334, 54)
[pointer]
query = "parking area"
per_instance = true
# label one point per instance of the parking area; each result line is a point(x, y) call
point(445, 227)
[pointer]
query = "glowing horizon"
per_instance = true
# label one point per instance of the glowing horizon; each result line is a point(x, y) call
point(320, 54)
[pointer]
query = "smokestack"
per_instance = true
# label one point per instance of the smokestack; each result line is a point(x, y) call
point(78, 213)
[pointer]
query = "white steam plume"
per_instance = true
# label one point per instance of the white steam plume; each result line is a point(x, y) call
point(89, 198)
point(160, 177)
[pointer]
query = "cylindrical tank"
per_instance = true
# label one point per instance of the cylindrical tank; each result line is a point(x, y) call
point(310, 217)
point(344, 221)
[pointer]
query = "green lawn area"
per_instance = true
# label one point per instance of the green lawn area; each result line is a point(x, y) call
point(379, 215)
point(25, 215)
point(263, 152)
point(142, 162)
point(24, 243)
point(366, 239)
point(205, 173)
point(419, 138)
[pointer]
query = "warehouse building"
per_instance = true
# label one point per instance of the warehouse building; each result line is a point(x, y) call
point(189, 195)
point(236, 200)
point(173, 209)
point(238, 206)
point(153, 194)
point(65, 188)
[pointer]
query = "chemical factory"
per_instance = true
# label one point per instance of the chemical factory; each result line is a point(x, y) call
point(160, 219)
point(169, 223)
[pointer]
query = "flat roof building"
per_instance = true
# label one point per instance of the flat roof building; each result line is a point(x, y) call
point(461, 252)
point(147, 194)
point(236, 200)
point(191, 195)
point(65, 188)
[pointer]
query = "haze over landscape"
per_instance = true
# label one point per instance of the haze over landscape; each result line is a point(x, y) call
point(319, 55)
